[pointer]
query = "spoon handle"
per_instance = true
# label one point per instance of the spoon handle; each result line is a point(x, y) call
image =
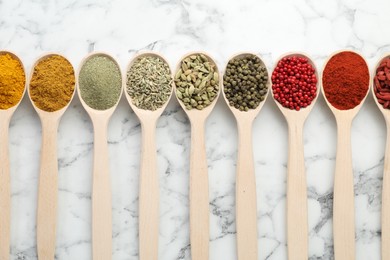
point(101, 194)
point(5, 191)
point(199, 194)
point(386, 199)
point(48, 191)
point(246, 205)
point(343, 202)
point(297, 227)
point(148, 195)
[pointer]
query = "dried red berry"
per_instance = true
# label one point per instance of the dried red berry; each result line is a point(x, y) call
point(294, 82)
point(382, 83)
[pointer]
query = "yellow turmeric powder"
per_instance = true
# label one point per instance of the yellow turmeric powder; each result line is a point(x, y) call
point(52, 83)
point(12, 80)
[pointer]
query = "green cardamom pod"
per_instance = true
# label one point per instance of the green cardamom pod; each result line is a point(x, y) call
point(215, 77)
point(184, 66)
point(178, 74)
point(191, 89)
point(178, 94)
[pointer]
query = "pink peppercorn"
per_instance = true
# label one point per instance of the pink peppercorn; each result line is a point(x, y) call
point(294, 82)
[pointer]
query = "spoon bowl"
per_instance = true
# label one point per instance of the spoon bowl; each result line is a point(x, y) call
point(48, 176)
point(343, 202)
point(101, 183)
point(193, 114)
point(42, 113)
point(199, 187)
point(91, 111)
point(339, 112)
point(251, 112)
point(304, 112)
point(143, 113)
point(297, 220)
point(15, 106)
point(386, 171)
point(246, 205)
point(5, 178)
point(372, 89)
point(149, 187)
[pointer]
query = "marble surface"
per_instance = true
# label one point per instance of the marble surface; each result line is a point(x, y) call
point(173, 28)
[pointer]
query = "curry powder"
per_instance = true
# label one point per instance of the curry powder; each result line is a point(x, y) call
point(12, 81)
point(52, 83)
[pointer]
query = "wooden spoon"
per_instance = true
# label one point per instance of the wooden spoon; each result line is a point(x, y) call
point(199, 182)
point(386, 175)
point(101, 184)
point(5, 179)
point(297, 224)
point(48, 177)
point(343, 195)
point(149, 188)
point(246, 205)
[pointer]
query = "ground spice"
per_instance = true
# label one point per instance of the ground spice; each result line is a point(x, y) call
point(12, 80)
point(382, 83)
point(345, 80)
point(294, 82)
point(100, 82)
point(52, 83)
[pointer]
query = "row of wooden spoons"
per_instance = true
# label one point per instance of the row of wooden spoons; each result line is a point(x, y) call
point(246, 211)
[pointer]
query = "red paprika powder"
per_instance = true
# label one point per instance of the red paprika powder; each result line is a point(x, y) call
point(345, 80)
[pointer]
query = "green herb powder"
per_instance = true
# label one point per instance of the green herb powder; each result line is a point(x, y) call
point(149, 82)
point(100, 82)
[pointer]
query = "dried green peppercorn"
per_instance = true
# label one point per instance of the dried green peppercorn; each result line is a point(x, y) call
point(197, 82)
point(245, 82)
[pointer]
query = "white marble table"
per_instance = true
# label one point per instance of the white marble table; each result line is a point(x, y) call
point(222, 28)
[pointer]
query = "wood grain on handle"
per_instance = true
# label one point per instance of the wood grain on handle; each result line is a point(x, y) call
point(48, 190)
point(101, 193)
point(343, 198)
point(297, 226)
point(386, 198)
point(246, 205)
point(148, 194)
point(5, 190)
point(199, 193)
